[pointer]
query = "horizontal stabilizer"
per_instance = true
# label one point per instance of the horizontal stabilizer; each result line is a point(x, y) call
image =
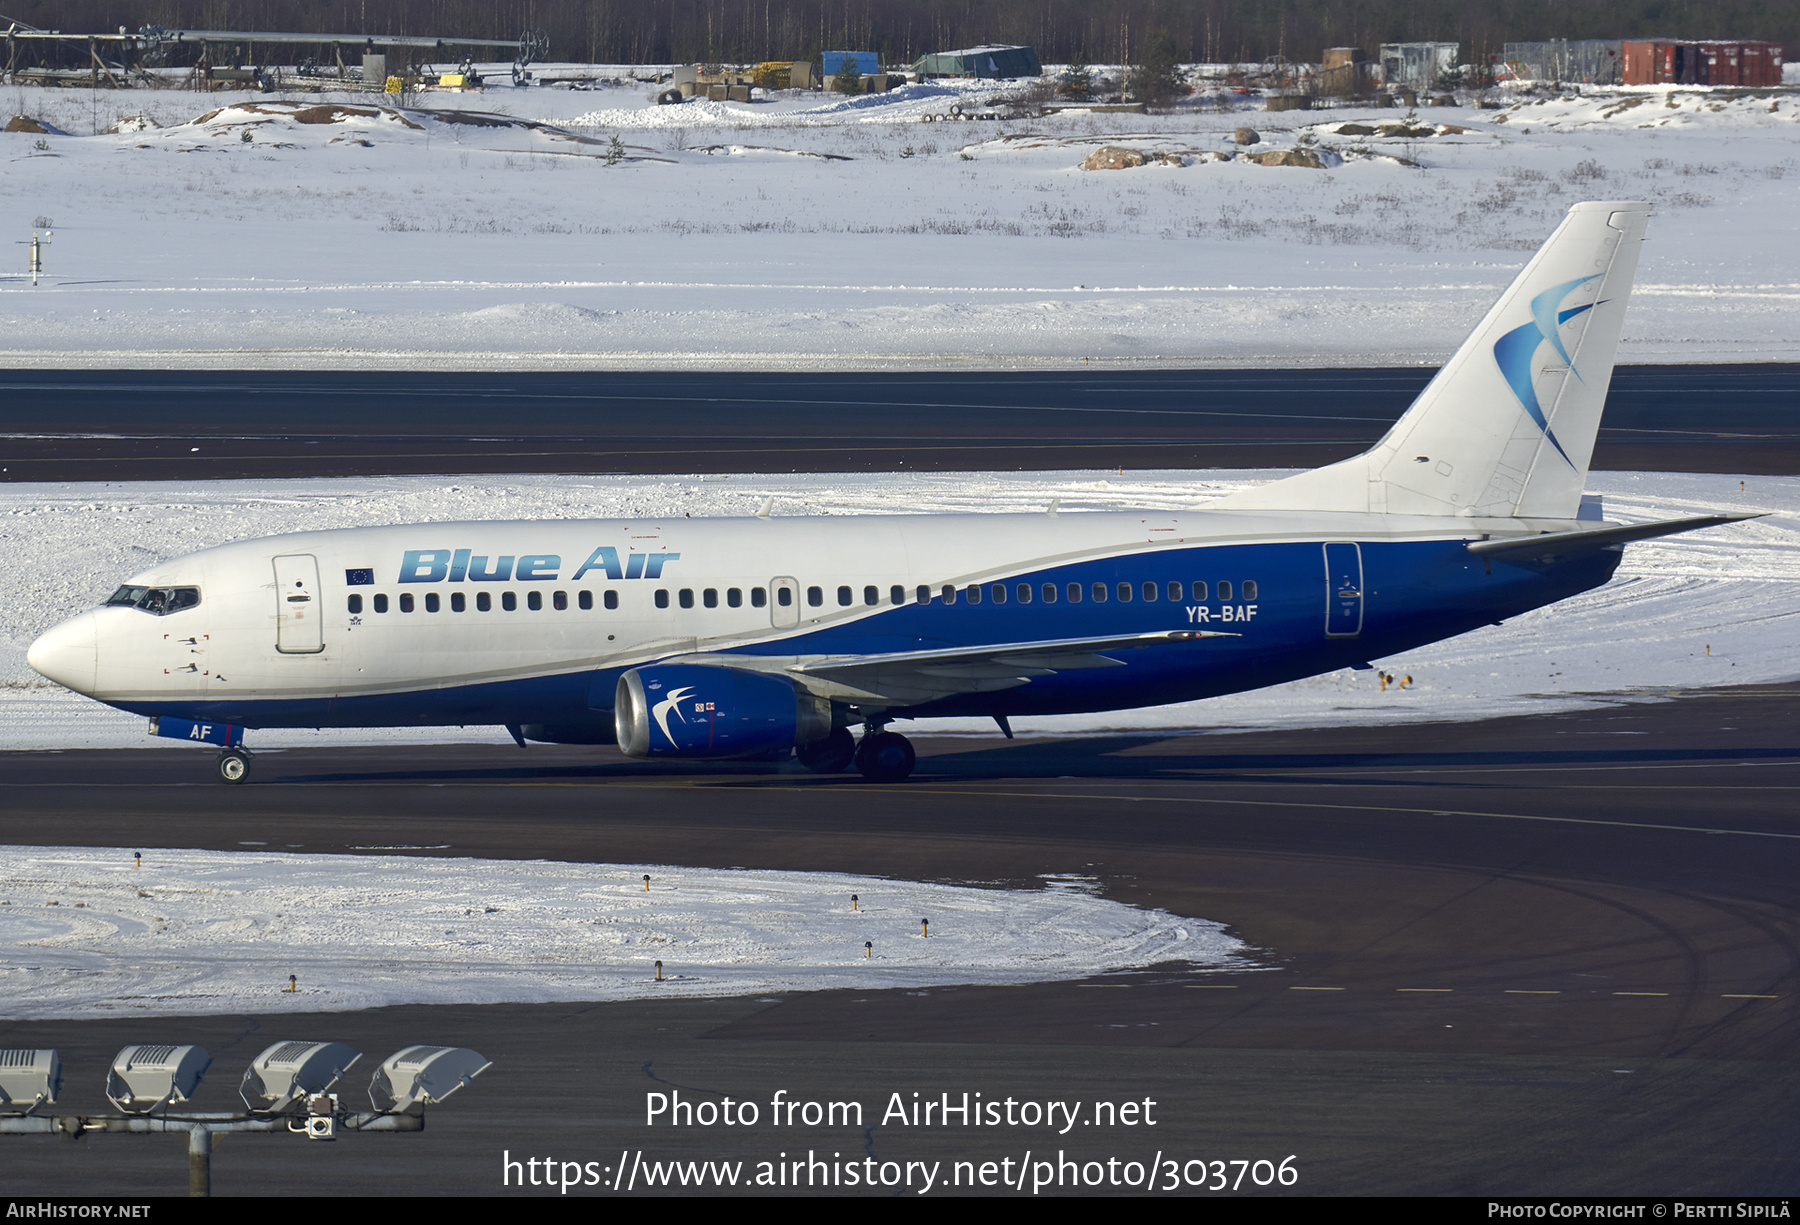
point(1552, 545)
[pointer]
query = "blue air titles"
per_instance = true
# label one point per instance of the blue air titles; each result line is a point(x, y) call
point(463, 565)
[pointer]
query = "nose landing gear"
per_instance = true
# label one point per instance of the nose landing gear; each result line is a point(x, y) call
point(234, 766)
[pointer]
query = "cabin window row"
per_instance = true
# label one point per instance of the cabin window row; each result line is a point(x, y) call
point(1047, 593)
point(484, 601)
point(995, 593)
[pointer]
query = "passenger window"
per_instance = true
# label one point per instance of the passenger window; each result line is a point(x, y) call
point(406, 602)
point(923, 595)
point(998, 593)
point(871, 596)
point(948, 594)
point(612, 599)
point(710, 597)
point(1224, 589)
point(687, 597)
point(534, 600)
point(734, 597)
point(897, 594)
point(457, 601)
point(355, 603)
point(662, 598)
point(560, 601)
point(484, 602)
point(1149, 592)
point(843, 597)
point(1099, 593)
point(585, 600)
point(815, 596)
point(1199, 590)
point(1175, 589)
point(1249, 589)
point(1074, 593)
point(1124, 593)
point(431, 601)
point(972, 593)
point(509, 602)
point(1024, 593)
point(381, 603)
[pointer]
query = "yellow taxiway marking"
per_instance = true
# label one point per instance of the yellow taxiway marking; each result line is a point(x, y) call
point(1734, 996)
point(1517, 992)
point(1441, 990)
point(1318, 988)
point(1663, 993)
point(1212, 986)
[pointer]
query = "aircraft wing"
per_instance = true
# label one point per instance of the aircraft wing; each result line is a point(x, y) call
point(1551, 545)
point(907, 678)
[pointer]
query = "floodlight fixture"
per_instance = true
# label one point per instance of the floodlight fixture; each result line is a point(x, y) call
point(147, 1078)
point(284, 1076)
point(28, 1079)
point(421, 1076)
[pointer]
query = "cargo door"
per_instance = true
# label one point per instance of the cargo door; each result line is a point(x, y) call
point(299, 612)
point(1343, 590)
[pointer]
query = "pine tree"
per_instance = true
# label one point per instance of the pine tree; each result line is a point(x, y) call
point(1077, 82)
point(848, 80)
point(1156, 80)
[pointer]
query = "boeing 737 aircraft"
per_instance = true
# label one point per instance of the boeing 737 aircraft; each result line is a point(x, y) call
point(754, 638)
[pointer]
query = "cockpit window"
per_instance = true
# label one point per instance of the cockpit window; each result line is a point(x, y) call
point(158, 601)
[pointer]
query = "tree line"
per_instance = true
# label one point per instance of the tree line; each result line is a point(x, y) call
point(1062, 31)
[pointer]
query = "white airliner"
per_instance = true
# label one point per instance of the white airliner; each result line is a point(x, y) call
point(735, 638)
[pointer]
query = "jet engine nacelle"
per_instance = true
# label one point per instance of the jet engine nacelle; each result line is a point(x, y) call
point(700, 710)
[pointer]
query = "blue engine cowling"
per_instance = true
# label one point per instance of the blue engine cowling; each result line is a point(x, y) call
point(701, 710)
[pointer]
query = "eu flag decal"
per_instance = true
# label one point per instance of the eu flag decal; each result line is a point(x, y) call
point(359, 578)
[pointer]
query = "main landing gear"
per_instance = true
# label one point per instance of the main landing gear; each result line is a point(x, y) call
point(234, 766)
point(880, 757)
point(884, 757)
point(828, 756)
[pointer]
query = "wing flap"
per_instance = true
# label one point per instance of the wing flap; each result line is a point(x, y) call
point(908, 678)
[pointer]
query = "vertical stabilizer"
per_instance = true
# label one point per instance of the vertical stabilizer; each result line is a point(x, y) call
point(1507, 427)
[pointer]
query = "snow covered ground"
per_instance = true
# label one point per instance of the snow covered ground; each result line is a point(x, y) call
point(810, 230)
point(84, 932)
point(1716, 607)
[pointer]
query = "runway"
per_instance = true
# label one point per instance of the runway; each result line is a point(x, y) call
point(1537, 955)
point(186, 425)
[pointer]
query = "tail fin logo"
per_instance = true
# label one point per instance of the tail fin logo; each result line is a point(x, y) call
point(1515, 351)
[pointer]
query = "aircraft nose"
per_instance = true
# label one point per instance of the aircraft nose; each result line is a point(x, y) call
point(67, 654)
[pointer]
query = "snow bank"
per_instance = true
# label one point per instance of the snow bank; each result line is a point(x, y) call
point(85, 933)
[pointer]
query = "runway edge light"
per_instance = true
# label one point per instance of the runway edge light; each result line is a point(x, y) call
point(285, 1074)
point(29, 1079)
point(146, 1078)
point(420, 1076)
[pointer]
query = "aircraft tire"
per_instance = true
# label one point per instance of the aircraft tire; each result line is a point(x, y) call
point(832, 755)
point(885, 758)
point(234, 766)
